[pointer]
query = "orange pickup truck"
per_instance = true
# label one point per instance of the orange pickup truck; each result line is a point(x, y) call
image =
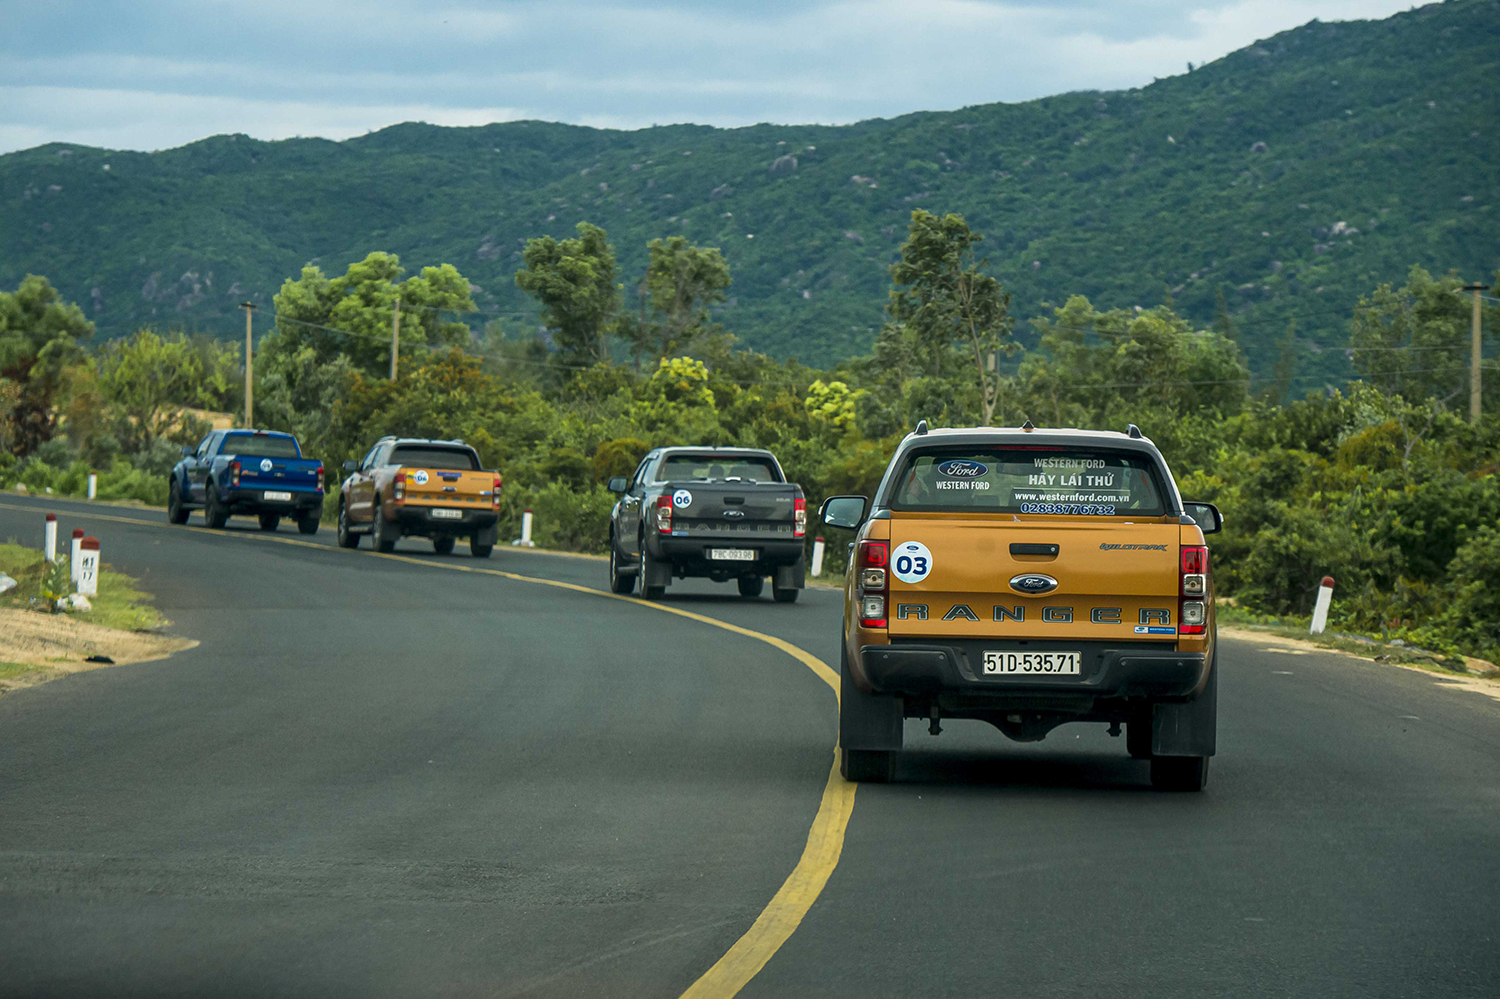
point(410, 487)
point(1029, 578)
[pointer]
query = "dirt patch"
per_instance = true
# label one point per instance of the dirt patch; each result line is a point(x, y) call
point(36, 647)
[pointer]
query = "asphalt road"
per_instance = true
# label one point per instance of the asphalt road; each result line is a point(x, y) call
point(375, 777)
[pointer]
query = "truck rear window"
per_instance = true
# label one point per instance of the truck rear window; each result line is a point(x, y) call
point(682, 467)
point(461, 459)
point(1078, 482)
point(260, 445)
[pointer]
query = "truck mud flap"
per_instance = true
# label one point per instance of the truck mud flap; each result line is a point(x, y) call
point(488, 535)
point(1189, 728)
point(866, 721)
point(790, 577)
point(656, 572)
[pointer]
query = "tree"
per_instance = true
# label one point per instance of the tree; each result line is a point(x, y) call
point(1413, 341)
point(39, 335)
point(150, 378)
point(574, 280)
point(942, 298)
point(682, 281)
point(351, 316)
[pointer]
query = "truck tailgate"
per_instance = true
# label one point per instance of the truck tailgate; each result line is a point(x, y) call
point(732, 510)
point(291, 474)
point(1128, 572)
point(448, 487)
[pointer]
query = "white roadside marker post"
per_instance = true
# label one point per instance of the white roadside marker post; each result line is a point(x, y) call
point(93, 484)
point(73, 555)
point(1320, 609)
point(88, 567)
point(49, 538)
point(817, 567)
point(525, 539)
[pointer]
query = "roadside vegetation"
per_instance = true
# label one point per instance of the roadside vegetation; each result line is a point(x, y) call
point(1381, 482)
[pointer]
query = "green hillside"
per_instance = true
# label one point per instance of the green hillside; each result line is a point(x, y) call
point(1293, 175)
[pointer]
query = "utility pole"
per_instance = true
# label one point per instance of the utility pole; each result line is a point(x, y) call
point(1475, 358)
point(249, 308)
point(395, 336)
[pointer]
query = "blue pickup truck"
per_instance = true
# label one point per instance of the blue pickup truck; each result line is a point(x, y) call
point(257, 473)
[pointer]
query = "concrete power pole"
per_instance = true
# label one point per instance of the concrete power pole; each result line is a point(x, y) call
point(249, 308)
point(1475, 357)
point(395, 336)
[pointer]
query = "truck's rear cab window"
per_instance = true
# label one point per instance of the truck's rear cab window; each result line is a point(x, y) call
point(716, 467)
point(1047, 480)
point(260, 446)
point(458, 459)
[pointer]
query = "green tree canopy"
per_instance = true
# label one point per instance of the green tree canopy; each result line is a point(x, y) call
point(1413, 341)
point(682, 281)
point(150, 378)
point(574, 280)
point(39, 335)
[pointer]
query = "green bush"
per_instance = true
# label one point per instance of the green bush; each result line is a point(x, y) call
point(1473, 614)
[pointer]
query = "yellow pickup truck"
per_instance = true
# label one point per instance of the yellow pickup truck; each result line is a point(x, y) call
point(1029, 578)
point(415, 487)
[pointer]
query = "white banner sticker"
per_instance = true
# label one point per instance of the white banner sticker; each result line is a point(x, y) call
point(911, 562)
point(682, 499)
point(420, 477)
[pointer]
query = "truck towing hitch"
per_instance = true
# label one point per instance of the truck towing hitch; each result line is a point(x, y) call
point(934, 713)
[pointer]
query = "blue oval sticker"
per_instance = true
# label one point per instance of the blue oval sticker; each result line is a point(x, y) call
point(962, 468)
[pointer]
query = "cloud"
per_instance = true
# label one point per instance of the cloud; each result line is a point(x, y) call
point(158, 73)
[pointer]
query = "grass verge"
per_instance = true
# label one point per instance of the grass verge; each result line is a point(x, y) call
point(119, 604)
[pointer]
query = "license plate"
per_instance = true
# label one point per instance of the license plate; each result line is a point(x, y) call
point(1053, 663)
point(273, 495)
point(731, 554)
point(448, 514)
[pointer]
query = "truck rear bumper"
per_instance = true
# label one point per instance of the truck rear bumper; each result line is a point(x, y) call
point(252, 501)
point(694, 555)
point(420, 521)
point(1108, 673)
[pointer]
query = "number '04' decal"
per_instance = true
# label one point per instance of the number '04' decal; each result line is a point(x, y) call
point(911, 562)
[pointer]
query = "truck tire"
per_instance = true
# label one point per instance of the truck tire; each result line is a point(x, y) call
point(347, 538)
point(309, 524)
point(1179, 773)
point(619, 582)
point(176, 512)
point(381, 534)
point(751, 586)
point(443, 546)
point(214, 514)
point(648, 564)
point(784, 596)
point(865, 766)
point(270, 521)
point(480, 549)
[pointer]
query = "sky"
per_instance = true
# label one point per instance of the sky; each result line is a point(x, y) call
point(153, 74)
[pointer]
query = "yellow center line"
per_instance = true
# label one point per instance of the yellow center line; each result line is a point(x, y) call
point(825, 840)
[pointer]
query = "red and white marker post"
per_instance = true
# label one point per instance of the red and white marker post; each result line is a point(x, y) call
point(49, 538)
point(88, 567)
point(1320, 609)
point(73, 555)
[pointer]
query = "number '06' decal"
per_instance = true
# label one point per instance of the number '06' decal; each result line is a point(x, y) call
point(911, 562)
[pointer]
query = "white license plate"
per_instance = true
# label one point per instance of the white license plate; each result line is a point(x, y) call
point(1052, 663)
point(271, 494)
point(448, 514)
point(731, 554)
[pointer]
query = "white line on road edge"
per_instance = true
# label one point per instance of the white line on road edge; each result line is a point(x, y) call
point(825, 840)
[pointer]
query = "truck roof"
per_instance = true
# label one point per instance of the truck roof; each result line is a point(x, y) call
point(454, 442)
point(1033, 435)
point(712, 447)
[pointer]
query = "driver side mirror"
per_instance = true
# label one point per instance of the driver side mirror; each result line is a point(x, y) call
point(187, 451)
point(843, 511)
point(1205, 515)
point(618, 483)
point(351, 466)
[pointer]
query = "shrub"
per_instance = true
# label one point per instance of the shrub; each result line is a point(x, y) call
point(1473, 614)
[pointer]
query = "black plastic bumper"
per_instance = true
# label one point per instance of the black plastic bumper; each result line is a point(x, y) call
point(419, 520)
point(1152, 671)
point(251, 501)
point(693, 554)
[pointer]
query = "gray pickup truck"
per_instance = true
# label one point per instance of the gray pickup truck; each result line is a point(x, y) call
point(713, 512)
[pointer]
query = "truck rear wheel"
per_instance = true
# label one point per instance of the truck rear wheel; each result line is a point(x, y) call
point(382, 535)
point(751, 586)
point(443, 546)
point(478, 548)
point(270, 521)
point(176, 512)
point(347, 538)
point(309, 524)
point(619, 582)
point(1179, 773)
point(214, 513)
point(784, 596)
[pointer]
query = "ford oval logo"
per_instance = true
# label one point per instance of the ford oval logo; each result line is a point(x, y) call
point(1033, 583)
point(734, 513)
point(961, 468)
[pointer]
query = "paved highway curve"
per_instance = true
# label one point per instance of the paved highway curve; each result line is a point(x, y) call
point(383, 776)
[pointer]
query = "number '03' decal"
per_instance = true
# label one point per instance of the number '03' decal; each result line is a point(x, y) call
point(911, 562)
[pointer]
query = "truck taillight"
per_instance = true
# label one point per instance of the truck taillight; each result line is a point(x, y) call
point(1192, 615)
point(398, 488)
point(495, 494)
point(320, 476)
point(663, 515)
point(234, 473)
point(870, 565)
point(799, 517)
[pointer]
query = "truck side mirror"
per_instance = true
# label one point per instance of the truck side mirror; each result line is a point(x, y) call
point(1205, 515)
point(618, 483)
point(843, 511)
point(351, 466)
